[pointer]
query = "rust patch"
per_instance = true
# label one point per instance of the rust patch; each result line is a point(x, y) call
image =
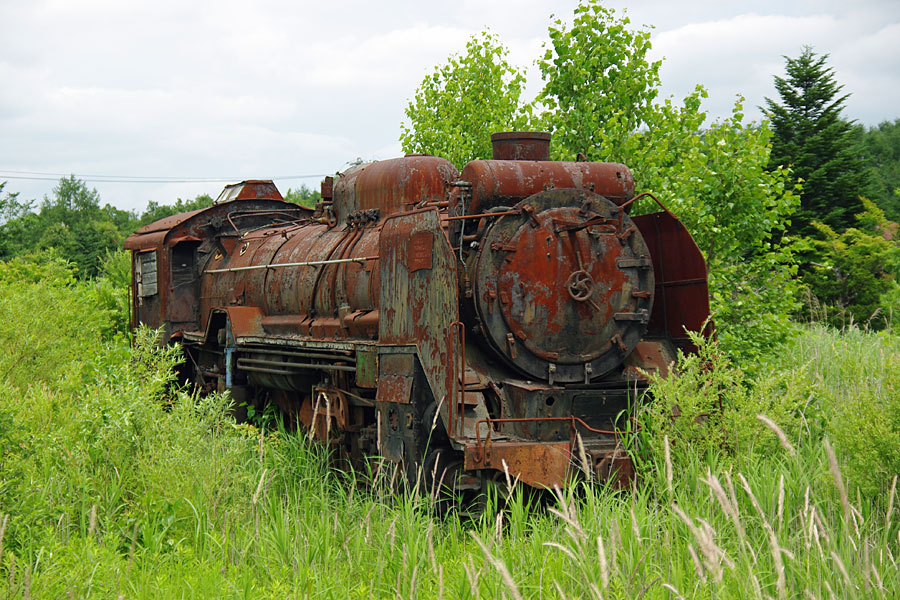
point(616, 467)
point(650, 356)
point(245, 321)
point(419, 250)
point(521, 145)
point(560, 282)
point(535, 464)
point(395, 388)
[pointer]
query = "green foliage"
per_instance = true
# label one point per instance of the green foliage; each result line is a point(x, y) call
point(817, 143)
point(855, 275)
point(709, 407)
point(716, 181)
point(48, 320)
point(73, 225)
point(850, 271)
point(16, 223)
point(113, 446)
point(458, 106)
point(109, 449)
point(599, 86)
point(752, 304)
point(156, 211)
point(41, 267)
point(71, 221)
point(851, 380)
point(881, 151)
point(304, 196)
point(113, 290)
point(737, 211)
point(76, 225)
point(10, 206)
point(600, 89)
point(822, 383)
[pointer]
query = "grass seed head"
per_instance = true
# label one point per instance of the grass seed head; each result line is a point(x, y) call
point(501, 568)
point(713, 556)
point(604, 566)
point(92, 527)
point(780, 511)
point(582, 457)
point(472, 575)
point(841, 567)
point(668, 456)
point(2, 532)
point(838, 481)
point(259, 487)
point(888, 515)
point(562, 549)
point(779, 433)
point(698, 568)
point(780, 583)
point(674, 590)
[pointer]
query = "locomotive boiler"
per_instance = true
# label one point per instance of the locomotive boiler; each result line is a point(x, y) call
point(498, 321)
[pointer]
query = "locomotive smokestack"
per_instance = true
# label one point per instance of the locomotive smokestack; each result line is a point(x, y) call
point(521, 145)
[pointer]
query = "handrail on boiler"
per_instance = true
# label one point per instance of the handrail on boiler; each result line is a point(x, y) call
point(311, 263)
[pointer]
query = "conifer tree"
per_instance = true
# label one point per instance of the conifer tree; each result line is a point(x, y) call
point(812, 138)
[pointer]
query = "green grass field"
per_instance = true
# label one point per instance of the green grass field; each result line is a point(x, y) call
point(112, 485)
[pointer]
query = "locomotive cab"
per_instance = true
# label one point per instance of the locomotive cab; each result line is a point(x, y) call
point(168, 255)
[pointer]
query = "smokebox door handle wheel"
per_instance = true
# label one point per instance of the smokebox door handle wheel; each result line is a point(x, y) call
point(580, 286)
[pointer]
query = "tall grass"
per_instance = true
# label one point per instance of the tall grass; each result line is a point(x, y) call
point(114, 484)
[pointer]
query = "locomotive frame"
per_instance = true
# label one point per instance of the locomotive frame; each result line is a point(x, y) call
point(462, 325)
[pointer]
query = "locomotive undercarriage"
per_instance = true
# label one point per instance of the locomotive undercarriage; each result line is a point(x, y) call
point(532, 429)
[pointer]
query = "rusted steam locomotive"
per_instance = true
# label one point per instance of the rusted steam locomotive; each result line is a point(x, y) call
point(468, 324)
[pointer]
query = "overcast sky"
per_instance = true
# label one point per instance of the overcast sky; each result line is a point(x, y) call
point(277, 89)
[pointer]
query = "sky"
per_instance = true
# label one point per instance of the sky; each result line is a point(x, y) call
point(173, 92)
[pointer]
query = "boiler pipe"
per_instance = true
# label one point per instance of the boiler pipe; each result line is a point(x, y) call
point(312, 263)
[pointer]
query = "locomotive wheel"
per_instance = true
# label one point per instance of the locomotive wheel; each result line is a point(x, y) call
point(434, 425)
point(447, 484)
point(472, 495)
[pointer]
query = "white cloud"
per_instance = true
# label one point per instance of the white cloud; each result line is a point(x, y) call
point(741, 55)
point(228, 88)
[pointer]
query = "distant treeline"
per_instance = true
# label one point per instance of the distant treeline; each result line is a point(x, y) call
point(73, 223)
point(880, 147)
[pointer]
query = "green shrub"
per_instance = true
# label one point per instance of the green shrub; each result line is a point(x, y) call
point(123, 448)
point(113, 291)
point(708, 408)
point(822, 383)
point(853, 275)
point(852, 382)
point(49, 322)
point(98, 446)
